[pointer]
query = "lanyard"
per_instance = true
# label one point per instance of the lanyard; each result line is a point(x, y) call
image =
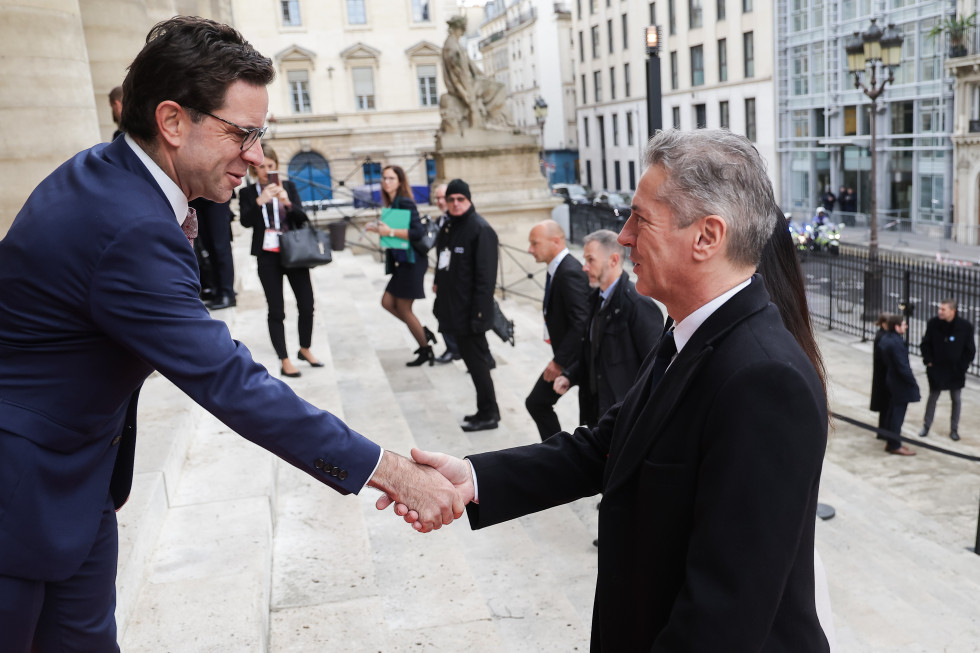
point(265, 213)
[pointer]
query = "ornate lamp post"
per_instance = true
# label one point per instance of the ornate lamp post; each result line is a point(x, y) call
point(654, 112)
point(540, 115)
point(875, 52)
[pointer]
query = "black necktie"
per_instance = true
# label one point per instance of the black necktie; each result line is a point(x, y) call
point(665, 353)
point(547, 291)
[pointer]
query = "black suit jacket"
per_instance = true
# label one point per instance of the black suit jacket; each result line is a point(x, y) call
point(623, 333)
point(250, 213)
point(567, 315)
point(709, 488)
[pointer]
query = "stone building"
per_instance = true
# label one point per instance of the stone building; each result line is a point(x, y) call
point(965, 70)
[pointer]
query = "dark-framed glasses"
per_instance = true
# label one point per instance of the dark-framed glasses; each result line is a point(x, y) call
point(249, 136)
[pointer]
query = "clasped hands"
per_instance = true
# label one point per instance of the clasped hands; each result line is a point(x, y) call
point(429, 491)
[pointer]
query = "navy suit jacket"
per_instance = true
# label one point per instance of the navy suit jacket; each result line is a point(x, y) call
point(99, 287)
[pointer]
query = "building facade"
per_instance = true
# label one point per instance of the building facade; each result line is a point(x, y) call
point(825, 122)
point(357, 88)
point(964, 67)
point(527, 46)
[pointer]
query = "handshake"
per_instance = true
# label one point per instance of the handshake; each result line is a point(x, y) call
point(428, 491)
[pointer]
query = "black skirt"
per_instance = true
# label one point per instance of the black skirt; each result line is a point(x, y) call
point(407, 279)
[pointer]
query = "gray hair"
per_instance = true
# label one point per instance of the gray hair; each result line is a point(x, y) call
point(609, 242)
point(716, 172)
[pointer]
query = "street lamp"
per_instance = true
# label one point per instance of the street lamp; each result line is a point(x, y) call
point(874, 53)
point(655, 121)
point(540, 115)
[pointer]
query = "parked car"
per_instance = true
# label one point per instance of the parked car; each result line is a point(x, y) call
point(618, 203)
point(572, 193)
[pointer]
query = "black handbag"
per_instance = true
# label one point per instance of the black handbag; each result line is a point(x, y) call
point(428, 239)
point(501, 325)
point(305, 247)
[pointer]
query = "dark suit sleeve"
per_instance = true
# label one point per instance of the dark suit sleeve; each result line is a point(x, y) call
point(574, 290)
point(249, 213)
point(484, 280)
point(296, 215)
point(897, 360)
point(759, 462)
point(145, 296)
point(969, 347)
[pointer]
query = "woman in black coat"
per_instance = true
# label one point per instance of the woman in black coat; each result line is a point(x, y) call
point(900, 381)
point(407, 266)
point(880, 396)
point(269, 208)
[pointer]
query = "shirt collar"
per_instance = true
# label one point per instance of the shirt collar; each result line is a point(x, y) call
point(555, 262)
point(604, 294)
point(685, 329)
point(178, 201)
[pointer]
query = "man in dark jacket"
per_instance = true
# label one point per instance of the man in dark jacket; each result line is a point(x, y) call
point(566, 317)
point(624, 327)
point(465, 278)
point(947, 350)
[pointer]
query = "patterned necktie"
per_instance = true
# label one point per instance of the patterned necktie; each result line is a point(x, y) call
point(189, 225)
point(665, 353)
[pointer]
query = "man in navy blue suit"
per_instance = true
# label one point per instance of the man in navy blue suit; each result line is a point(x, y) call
point(98, 287)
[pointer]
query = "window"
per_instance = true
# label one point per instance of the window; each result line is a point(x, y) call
point(299, 90)
point(579, 7)
point(372, 172)
point(818, 75)
point(588, 174)
point(695, 13)
point(617, 176)
point(721, 9)
point(626, 32)
point(597, 83)
point(697, 65)
point(605, 177)
point(592, 5)
point(746, 6)
point(632, 169)
point(723, 121)
point(581, 46)
point(750, 119)
point(615, 130)
point(290, 13)
point(748, 51)
point(671, 18)
point(585, 130)
point(584, 94)
point(700, 116)
point(801, 70)
point(722, 60)
point(629, 127)
point(420, 11)
point(612, 83)
point(428, 96)
point(673, 70)
point(800, 16)
point(626, 79)
point(595, 41)
point(602, 135)
point(801, 123)
point(356, 14)
point(676, 114)
point(609, 34)
point(363, 87)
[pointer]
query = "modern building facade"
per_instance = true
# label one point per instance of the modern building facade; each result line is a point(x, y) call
point(964, 66)
point(824, 121)
point(527, 46)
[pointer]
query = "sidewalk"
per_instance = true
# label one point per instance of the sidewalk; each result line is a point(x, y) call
point(252, 555)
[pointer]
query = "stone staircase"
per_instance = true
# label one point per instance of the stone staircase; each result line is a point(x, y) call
point(225, 548)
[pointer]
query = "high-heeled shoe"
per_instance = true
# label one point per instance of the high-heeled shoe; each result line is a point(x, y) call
point(292, 375)
point(424, 354)
point(429, 336)
point(300, 356)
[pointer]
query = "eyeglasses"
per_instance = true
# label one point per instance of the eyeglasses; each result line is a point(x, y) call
point(457, 199)
point(250, 135)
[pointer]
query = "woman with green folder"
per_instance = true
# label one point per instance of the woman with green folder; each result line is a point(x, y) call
point(406, 264)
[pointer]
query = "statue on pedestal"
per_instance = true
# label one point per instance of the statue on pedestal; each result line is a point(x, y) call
point(472, 100)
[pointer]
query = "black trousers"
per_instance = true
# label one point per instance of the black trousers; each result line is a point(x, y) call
point(540, 404)
point(475, 351)
point(894, 418)
point(271, 273)
point(214, 230)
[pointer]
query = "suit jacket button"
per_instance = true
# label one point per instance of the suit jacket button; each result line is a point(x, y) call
point(319, 463)
point(342, 475)
point(335, 471)
point(116, 440)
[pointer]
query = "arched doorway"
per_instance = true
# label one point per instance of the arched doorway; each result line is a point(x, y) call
point(311, 174)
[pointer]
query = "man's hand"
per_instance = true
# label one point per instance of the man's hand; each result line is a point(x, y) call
point(422, 490)
point(455, 470)
point(561, 385)
point(551, 372)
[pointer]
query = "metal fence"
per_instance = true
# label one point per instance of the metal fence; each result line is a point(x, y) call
point(583, 219)
point(843, 296)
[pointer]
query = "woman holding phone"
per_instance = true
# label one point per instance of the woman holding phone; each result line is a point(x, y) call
point(407, 266)
point(270, 207)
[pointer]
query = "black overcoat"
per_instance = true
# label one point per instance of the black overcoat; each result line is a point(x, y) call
point(949, 347)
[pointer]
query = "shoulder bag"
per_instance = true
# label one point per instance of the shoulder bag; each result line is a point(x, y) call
point(305, 247)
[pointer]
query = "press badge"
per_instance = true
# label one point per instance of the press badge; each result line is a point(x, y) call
point(270, 242)
point(443, 263)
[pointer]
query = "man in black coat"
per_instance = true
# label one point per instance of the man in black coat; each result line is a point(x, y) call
point(623, 328)
point(947, 350)
point(710, 467)
point(466, 272)
point(566, 317)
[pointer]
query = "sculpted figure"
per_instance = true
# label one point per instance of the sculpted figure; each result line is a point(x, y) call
point(471, 99)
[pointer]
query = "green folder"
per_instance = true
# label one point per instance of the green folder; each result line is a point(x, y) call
point(396, 219)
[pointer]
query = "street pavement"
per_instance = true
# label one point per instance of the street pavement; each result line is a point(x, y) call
point(225, 548)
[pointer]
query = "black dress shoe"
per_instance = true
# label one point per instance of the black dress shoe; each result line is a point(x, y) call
point(300, 356)
point(477, 417)
point(479, 425)
point(224, 301)
point(954, 436)
point(446, 357)
point(292, 375)
point(924, 432)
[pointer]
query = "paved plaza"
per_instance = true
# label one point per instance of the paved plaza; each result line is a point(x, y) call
point(225, 548)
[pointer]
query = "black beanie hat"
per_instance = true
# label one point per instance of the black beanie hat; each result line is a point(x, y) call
point(458, 187)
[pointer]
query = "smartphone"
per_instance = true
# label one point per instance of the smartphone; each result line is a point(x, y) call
point(274, 177)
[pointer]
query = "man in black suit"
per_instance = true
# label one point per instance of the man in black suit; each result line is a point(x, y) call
point(710, 467)
point(947, 351)
point(566, 317)
point(623, 329)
